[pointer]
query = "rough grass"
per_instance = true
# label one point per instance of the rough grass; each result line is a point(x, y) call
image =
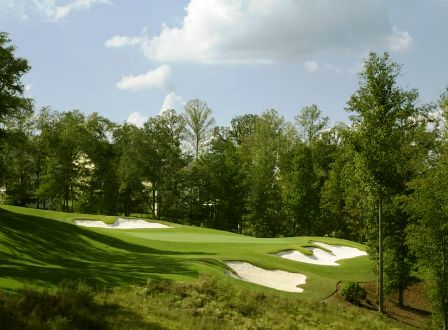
point(204, 304)
point(45, 248)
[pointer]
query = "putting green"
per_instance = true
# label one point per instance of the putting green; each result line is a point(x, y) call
point(45, 247)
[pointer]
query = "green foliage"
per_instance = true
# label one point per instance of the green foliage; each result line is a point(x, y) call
point(12, 69)
point(198, 122)
point(347, 197)
point(353, 292)
point(263, 168)
point(311, 123)
point(387, 133)
point(427, 236)
point(300, 194)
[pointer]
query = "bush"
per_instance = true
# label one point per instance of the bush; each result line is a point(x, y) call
point(353, 292)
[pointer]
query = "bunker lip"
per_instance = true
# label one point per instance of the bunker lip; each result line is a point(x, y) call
point(276, 279)
point(121, 223)
point(321, 256)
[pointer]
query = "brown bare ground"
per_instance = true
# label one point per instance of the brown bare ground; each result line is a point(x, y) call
point(414, 312)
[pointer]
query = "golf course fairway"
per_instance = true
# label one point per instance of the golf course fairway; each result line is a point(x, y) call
point(43, 248)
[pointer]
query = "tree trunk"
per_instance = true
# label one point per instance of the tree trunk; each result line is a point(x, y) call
point(380, 259)
point(400, 297)
point(153, 203)
point(403, 275)
point(444, 298)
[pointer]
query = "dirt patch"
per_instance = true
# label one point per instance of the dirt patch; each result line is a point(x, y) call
point(414, 312)
point(416, 306)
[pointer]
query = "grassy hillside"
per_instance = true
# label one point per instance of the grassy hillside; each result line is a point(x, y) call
point(44, 247)
point(204, 304)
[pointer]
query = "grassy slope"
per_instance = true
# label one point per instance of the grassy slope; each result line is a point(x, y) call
point(44, 247)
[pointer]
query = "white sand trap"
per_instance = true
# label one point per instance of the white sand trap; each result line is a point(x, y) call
point(322, 257)
point(276, 279)
point(121, 223)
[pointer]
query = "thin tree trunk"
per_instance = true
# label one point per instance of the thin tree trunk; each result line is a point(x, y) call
point(402, 285)
point(400, 297)
point(444, 302)
point(153, 203)
point(380, 260)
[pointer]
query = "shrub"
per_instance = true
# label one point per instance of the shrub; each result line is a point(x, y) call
point(353, 292)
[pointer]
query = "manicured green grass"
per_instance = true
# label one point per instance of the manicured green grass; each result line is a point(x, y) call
point(44, 248)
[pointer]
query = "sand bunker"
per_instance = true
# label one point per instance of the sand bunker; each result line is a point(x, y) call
point(322, 257)
point(276, 279)
point(121, 223)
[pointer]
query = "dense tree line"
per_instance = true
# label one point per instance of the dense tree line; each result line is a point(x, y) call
point(381, 179)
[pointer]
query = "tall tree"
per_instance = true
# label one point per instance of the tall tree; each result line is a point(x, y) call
point(199, 122)
point(384, 114)
point(223, 183)
point(100, 195)
point(428, 234)
point(243, 127)
point(131, 193)
point(17, 156)
point(262, 161)
point(300, 194)
point(310, 123)
point(347, 197)
point(64, 138)
point(12, 69)
point(311, 158)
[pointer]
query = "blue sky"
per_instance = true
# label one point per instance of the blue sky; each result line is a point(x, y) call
point(130, 59)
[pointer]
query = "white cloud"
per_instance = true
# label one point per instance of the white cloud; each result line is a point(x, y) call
point(156, 78)
point(137, 119)
point(267, 31)
point(52, 10)
point(313, 67)
point(173, 101)
point(121, 41)
point(13, 9)
point(399, 41)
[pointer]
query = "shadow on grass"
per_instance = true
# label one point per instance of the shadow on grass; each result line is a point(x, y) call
point(45, 252)
point(71, 306)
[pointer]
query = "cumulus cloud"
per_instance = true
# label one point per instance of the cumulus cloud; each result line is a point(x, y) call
point(121, 41)
point(137, 119)
point(156, 78)
point(173, 101)
point(267, 31)
point(399, 41)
